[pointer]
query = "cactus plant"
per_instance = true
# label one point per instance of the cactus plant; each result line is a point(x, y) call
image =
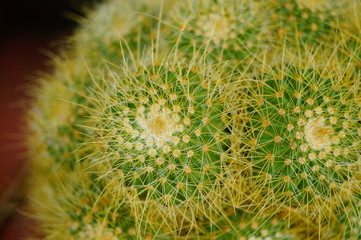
point(162, 134)
point(115, 28)
point(229, 30)
point(95, 161)
point(346, 226)
point(159, 124)
point(237, 224)
point(351, 35)
point(307, 20)
point(301, 137)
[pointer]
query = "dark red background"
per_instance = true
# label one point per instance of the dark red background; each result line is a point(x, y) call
point(28, 28)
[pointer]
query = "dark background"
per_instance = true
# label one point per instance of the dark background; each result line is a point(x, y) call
point(28, 29)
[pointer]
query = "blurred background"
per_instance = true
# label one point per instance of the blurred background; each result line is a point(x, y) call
point(29, 32)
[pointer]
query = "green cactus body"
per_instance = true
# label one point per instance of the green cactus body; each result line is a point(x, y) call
point(123, 118)
point(303, 136)
point(160, 118)
point(306, 20)
point(55, 116)
point(351, 37)
point(352, 50)
point(349, 227)
point(345, 226)
point(119, 29)
point(162, 134)
point(75, 208)
point(229, 30)
point(241, 225)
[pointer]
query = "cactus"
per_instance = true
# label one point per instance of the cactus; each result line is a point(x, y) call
point(173, 120)
point(300, 143)
point(351, 35)
point(118, 27)
point(307, 20)
point(162, 134)
point(228, 30)
point(78, 194)
point(237, 224)
point(79, 210)
point(346, 226)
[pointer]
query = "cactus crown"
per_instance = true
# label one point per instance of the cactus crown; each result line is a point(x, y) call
point(302, 131)
point(229, 30)
point(161, 133)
